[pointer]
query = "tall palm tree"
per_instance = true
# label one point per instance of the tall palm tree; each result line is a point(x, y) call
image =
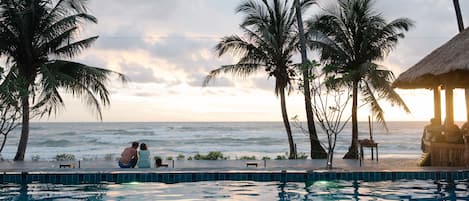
point(352, 38)
point(34, 36)
point(269, 43)
point(316, 150)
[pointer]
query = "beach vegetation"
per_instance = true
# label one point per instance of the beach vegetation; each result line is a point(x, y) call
point(64, 157)
point(266, 158)
point(37, 38)
point(189, 158)
point(281, 157)
point(329, 104)
point(350, 38)
point(35, 157)
point(247, 158)
point(180, 157)
point(169, 158)
point(268, 44)
point(213, 155)
point(302, 156)
point(10, 109)
point(157, 158)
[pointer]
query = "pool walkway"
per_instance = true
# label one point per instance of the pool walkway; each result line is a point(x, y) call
point(100, 171)
point(385, 164)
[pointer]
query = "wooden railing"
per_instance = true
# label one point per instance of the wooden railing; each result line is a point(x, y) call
point(445, 154)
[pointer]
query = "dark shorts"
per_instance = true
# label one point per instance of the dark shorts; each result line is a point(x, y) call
point(131, 164)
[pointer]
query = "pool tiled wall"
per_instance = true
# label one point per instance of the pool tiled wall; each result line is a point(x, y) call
point(177, 177)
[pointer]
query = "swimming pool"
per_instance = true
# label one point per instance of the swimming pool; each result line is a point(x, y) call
point(244, 191)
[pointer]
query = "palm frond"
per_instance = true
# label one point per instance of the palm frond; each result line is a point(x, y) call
point(369, 97)
point(238, 70)
point(73, 49)
point(381, 81)
point(85, 82)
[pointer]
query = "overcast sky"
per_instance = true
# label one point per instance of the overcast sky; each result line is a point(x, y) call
point(165, 47)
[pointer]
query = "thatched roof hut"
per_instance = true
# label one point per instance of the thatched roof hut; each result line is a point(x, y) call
point(447, 65)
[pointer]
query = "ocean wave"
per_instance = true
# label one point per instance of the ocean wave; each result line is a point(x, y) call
point(70, 133)
point(55, 143)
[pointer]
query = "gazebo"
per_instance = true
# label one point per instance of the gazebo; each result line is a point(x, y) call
point(447, 67)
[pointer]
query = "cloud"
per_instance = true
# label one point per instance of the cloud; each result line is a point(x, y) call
point(139, 74)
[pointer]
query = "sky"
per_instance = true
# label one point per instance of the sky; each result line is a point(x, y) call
point(166, 48)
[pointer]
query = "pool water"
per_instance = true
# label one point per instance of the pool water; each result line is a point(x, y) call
point(244, 191)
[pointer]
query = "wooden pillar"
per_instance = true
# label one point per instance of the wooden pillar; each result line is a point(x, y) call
point(437, 104)
point(467, 104)
point(449, 105)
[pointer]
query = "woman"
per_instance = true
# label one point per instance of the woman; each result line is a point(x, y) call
point(143, 157)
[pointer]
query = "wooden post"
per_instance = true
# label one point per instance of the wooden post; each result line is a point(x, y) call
point(437, 104)
point(449, 106)
point(369, 126)
point(467, 103)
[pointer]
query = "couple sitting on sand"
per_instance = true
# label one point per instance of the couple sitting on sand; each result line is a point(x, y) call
point(130, 157)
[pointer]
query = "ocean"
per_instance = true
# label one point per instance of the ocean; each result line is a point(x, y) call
point(99, 140)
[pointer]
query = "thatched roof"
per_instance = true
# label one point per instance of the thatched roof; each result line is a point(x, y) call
point(448, 64)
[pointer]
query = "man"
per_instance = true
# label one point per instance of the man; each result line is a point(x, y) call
point(432, 133)
point(129, 156)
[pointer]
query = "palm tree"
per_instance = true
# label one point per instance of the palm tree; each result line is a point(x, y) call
point(269, 43)
point(316, 150)
point(351, 39)
point(34, 36)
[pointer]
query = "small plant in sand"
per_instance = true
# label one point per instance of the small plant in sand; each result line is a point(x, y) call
point(180, 157)
point(35, 157)
point(281, 157)
point(213, 155)
point(302, 156)
point(157, 158)
point(248, 158)
point(169, 158)
point(64, 157)
point(266, 158)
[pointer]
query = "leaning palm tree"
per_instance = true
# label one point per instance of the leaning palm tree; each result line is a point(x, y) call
point(351, 38)
point(34, 36)
point(269, 43)
point(317, 151)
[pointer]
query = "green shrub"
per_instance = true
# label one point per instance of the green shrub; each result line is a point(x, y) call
point(302, 156)
point(180, 157)
point(35, 157)
point(189, 158)
point(169, 158)
point(64, 157)
point(198, 157)
point(281, 157)
point(157, 158)
point(213, 155)
point(248, 158)
point(266, 158)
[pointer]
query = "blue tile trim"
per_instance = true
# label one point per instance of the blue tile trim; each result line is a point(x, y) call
point(177, 177)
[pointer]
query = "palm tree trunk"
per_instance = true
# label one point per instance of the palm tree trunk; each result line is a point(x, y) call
point(353, 149)
point(3, 143)
point(317, 151)
point(457, 9)
point(24, 129)
point(292, 153)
